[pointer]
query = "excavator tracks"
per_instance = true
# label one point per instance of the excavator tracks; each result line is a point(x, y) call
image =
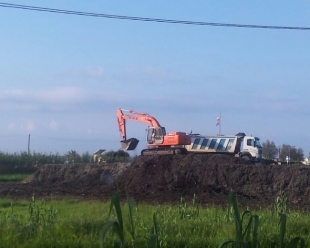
point(163, 151)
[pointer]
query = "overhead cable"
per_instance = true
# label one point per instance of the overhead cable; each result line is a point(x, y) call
point(146, 19)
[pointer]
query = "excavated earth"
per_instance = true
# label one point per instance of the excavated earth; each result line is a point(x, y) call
point(164, 179)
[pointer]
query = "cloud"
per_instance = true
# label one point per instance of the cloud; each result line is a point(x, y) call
point(95, 71)
point(142, 74)
point(53, 125)
point(63, 94)
point(57, 95)
point(37, 98)
point(29, 127)
point(91, 72)
point(60, 99)
point(11, 126)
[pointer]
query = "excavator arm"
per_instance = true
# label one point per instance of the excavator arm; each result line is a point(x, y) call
point(157, 138)
point(131, 144)
point(133, 116)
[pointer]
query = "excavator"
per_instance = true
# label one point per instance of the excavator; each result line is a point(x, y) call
point(158, 141)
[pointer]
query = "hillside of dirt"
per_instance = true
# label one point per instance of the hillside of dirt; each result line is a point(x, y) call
point(164, 179)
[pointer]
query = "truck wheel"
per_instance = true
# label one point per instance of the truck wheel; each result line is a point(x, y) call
point(246, 159)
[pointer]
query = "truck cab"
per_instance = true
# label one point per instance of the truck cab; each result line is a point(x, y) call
point(251, 149)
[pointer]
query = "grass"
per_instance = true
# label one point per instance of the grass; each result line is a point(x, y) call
point(70, 223)
point(13, 177)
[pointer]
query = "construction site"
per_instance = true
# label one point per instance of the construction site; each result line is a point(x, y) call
point(174, 165)
point(167, 178)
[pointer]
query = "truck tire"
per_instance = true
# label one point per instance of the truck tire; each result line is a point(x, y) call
point(246, 159)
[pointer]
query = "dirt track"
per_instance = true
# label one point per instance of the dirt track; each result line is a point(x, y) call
point(164, 179)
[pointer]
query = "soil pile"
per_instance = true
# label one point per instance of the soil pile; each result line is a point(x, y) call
point(78, 174)
point(164, 179)
point(211, 177)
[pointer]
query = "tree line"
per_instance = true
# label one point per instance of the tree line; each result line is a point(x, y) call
point(27, 162)
point(281, 153)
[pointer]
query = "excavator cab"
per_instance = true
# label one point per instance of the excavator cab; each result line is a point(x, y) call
point(155, 135)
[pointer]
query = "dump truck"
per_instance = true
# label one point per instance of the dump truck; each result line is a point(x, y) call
point(247, 148)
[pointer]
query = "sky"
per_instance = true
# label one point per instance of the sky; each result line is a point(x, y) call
point(63, 77)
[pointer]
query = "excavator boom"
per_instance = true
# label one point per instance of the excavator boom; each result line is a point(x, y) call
point(133, 116)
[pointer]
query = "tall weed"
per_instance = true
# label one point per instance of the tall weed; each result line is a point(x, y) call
point(247, 232)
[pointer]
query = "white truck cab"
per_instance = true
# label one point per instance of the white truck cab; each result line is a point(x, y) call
point(251, 149)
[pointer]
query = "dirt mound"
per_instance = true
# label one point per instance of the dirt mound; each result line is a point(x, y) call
point(164, 179)
point(211, 177)
point(78, 174)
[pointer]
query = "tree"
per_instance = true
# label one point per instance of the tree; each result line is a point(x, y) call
point(86, 157)
point(269, 150)
point(73, 157)
point(299, 155)
point(296, 154)
point(116, 156)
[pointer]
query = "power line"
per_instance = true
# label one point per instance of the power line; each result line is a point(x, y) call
point(146, 19)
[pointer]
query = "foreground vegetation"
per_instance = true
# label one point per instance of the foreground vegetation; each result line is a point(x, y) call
point(69, 223)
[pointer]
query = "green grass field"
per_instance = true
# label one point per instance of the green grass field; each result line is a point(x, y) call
point(13, 177)
point(69, 223)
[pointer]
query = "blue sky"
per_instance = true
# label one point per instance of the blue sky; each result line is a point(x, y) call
point(64, 76)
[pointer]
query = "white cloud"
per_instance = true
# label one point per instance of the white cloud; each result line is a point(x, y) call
point(53, 125)
point(95, 71)
point(56, 95)
point(139, 74)
point(64, 94)
point(29, 126)
point(11, 126)
point(62, 99)
point(36, 99)
point(91, 72)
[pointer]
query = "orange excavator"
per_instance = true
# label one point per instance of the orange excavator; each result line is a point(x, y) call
point(158, 141)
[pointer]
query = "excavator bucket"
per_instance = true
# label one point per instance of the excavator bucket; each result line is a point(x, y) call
point(129, 144)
